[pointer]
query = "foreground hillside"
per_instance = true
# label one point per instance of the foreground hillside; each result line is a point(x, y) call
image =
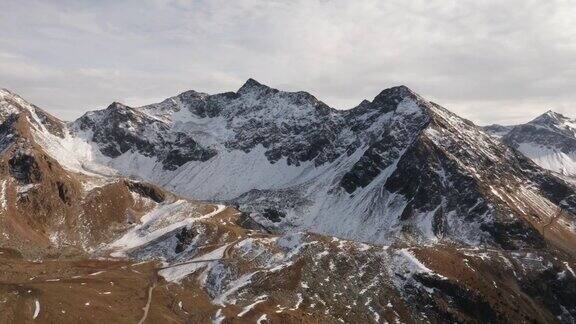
point(219, 272)
point(394, 211)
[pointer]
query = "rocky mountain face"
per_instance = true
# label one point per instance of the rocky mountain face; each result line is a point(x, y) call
point(395, 210)
point(549, 140)
point(47, 209)
point(396, 167)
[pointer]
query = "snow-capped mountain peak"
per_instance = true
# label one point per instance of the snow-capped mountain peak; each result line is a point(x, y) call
point(395, 167)
point(11, 103)
point(550, 115)
point(15, 107)
point(556, 121)
point(549, 140)
point(395, 93)
point(253, 86)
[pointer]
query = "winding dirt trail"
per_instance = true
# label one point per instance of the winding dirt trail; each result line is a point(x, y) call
point(146, 307)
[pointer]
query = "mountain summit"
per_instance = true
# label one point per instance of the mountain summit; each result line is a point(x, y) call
point(253, 85)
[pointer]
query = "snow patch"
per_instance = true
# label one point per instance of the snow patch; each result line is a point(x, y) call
point(550, 158)
point(3, 198)
point(259, 299)
point(175, 273)
point(36, 309)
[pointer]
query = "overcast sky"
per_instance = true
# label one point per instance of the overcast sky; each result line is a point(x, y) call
point(489, 61)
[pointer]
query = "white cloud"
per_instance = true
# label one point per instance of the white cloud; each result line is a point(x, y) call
point(490, 61)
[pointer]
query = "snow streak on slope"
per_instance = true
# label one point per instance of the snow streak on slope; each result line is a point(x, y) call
point(179, 271)
point(225, 176)
point(75, 154)
point(164, 219)
point(550, 158)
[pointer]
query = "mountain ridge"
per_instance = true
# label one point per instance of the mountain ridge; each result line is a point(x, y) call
point(444, 222)
point(308, 162)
